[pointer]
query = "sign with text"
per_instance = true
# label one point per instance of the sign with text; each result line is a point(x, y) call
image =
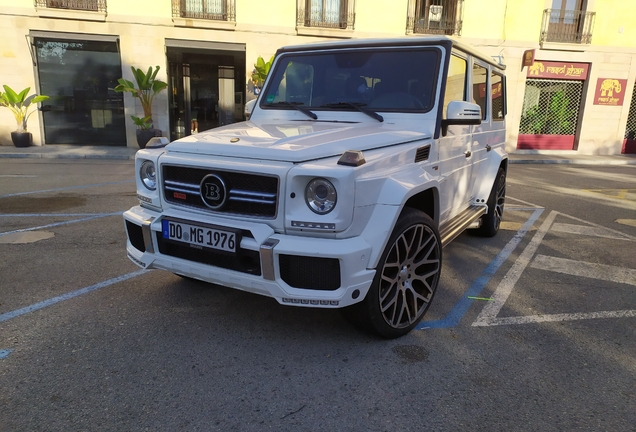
point(558, 70)
point(610, 91)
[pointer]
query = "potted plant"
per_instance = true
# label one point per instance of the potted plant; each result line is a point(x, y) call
point(148, 86)
point(19, 104)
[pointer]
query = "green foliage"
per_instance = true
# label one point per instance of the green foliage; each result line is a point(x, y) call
point(556, 120)
point(261, 70)
point(148, 86)
point(143, 123)
point(19, 104)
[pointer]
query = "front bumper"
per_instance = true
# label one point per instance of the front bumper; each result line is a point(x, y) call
point(292, 269)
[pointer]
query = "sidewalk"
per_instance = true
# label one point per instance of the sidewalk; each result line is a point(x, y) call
point(59, 151)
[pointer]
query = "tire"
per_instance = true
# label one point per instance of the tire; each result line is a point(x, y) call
point(491, 221)
point(405, 281)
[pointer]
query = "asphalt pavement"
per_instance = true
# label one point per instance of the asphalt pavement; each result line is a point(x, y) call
point(63, 151)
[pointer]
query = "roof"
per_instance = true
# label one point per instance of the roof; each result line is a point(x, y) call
point(384, 42)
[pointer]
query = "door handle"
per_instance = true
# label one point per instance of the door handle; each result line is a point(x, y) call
point(467, 153)
point(488, 148)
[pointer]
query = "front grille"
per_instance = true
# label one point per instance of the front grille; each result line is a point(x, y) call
point(247, 194)
point(310, 272)
point(244, 261)
point(136, 236)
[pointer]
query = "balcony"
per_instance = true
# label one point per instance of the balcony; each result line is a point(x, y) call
point(441, 17)
point(567, 26)
point(217, 10)
point(78, 5)
point(335, 17)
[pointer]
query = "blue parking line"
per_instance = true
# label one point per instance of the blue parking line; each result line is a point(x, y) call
point(5, 353)
point(461, 307)
point(66, 188)
point(41, 305)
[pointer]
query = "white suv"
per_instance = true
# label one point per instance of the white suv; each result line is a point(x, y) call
point(361, 160)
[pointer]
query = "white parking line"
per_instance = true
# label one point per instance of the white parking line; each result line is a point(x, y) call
point(585, 269)
point(589, 231)
point(534, 319)
point(96, 216)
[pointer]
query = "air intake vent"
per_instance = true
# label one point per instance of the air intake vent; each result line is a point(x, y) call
point(422, 153)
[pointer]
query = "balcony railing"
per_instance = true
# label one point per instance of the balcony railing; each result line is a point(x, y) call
point(220, 10)
point(442, 17)
point(567, 26)
point(332, 14)
point(84, 5)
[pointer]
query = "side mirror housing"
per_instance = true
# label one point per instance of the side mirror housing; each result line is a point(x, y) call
point(461, 113)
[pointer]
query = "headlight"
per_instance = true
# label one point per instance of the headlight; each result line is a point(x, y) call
point(320, 196)
point(148, 175)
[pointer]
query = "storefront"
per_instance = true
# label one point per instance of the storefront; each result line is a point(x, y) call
point(552, 105)
point(629, 142)
point(79, 73)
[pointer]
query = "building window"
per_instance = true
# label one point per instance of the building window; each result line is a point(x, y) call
point(221, 10)
point(85, 5)
point(435, 17)
point(335, 14)
point(567, 21)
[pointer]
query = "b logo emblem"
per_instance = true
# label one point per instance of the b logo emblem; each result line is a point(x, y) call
point(212, 191)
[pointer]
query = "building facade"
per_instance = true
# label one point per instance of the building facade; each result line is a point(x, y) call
point(571, 64)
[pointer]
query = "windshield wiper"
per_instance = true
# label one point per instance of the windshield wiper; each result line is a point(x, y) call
point(357, 105)
point(295, 105)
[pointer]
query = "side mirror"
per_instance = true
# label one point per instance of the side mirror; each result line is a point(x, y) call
point(461, 113)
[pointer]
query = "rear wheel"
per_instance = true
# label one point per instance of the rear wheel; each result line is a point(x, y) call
point(491, 221)
point(405, 281)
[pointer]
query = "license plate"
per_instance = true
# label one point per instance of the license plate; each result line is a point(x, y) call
point(197, 235)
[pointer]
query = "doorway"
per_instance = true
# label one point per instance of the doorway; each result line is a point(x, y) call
point(206, 89)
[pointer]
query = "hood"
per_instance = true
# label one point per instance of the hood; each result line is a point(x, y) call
point(293, 141)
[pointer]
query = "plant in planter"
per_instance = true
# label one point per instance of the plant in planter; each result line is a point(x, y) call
point(148, 86)
point(261, 70)
point(19, 104)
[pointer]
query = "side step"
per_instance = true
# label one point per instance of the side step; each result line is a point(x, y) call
point(459, 223)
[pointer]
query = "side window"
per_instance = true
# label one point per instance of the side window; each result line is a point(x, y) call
point(498, 101)
point(480, 95)
point(455, 81)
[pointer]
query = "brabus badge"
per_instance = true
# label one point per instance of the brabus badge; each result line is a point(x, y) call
point(213, 191)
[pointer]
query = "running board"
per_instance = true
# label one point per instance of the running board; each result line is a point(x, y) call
point(460, 223)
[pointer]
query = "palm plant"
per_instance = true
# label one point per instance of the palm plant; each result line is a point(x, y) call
point(147, 88)
point(19, 104)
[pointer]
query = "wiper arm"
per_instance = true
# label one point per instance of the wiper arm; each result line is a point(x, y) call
point(357, 105)
point(295, 105)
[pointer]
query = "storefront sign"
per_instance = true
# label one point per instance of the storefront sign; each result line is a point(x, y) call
point(610, 91)
point(558, 70)
point(528, 57)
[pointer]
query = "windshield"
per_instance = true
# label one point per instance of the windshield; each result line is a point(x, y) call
point(402, 80)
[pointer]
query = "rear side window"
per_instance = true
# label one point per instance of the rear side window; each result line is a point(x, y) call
point(498, 101)
point(455, 81)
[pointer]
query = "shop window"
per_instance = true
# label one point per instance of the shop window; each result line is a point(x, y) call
point(79, 76)
point(551, 107)
point(435, 17)
point(335, 14)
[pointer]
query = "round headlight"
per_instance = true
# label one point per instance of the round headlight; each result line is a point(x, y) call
point(148, 175)
point(321, 196)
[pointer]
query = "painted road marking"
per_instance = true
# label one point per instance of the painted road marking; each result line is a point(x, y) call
point(461, 307)
point(67, 188)
point(5, 353)
point(589, 231)
point(585, 269)
point(488, 315)
point(96, 216)
point(41, 305)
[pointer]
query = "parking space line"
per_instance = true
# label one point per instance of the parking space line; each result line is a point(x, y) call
point(585, 269)
point(96, 216)
point(461, 307)
point(25, 215)
point(41, 305)
point(589, 231)
point(534, 319)
point(503, 291)
point(66, 188)
point(5, 353)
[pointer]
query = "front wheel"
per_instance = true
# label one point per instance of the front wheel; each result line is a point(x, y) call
point(405, 281)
